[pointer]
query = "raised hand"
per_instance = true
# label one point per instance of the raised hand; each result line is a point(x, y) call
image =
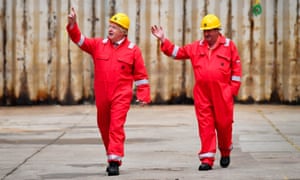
point(72, 17)
point(158, 32)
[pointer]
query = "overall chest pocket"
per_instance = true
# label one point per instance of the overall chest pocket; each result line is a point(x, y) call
point(223, 63)
point(198, 60)
point(101, 62)
point(125, 65)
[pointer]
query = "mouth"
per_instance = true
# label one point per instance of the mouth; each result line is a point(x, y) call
point(110, 34)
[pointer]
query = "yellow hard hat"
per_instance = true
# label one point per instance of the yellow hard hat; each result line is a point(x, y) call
point(121, 19)
point(210, 21)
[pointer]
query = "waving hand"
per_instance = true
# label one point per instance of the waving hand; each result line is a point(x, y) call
point(158, 32)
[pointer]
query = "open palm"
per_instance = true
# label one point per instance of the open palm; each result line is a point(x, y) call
point(158, 32)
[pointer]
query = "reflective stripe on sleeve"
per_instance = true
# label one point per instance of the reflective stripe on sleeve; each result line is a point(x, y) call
point(175, 51)
point(81, 40)
point(236, 78)
point(141, 82)
point(206, 155)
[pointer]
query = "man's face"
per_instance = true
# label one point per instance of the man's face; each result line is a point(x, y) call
point(211, 36)
point(115, 32)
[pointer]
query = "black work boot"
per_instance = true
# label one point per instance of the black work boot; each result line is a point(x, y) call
point(204, 167)
point(225, 161)
point(113, 168)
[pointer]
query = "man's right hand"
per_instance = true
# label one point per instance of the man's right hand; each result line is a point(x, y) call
point(72, 17)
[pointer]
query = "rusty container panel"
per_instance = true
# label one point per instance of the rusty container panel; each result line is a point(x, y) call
point(88, 27)
point(77, 60)
point(240, 34)
point(293, 56)
point(280, 28)
point(52, 52)
point(169, 70)
point(7, 53)
point(149, 45)
point(267, 55)
point(193, 13)
point(2, 51)
point(38, 39)
point(31, 27)
point(16, 65)
point(64, 94)
point(256, 70)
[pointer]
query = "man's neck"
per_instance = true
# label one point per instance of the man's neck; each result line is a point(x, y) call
point(119, 41)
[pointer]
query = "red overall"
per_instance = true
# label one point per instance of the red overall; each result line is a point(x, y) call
point(217, 79)
point(115, 70)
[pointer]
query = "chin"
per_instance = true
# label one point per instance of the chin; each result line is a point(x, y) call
point(110, 38)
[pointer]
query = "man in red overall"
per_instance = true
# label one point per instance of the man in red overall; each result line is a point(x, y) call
point(117, 64)
point(217, 71)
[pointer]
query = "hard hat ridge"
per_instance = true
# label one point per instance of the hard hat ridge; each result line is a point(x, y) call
point(210, 21)
point(121, 19)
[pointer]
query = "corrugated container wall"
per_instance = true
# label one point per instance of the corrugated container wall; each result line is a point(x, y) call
point(39, 64)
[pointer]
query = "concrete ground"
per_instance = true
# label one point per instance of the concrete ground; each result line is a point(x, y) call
point(62, 142)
